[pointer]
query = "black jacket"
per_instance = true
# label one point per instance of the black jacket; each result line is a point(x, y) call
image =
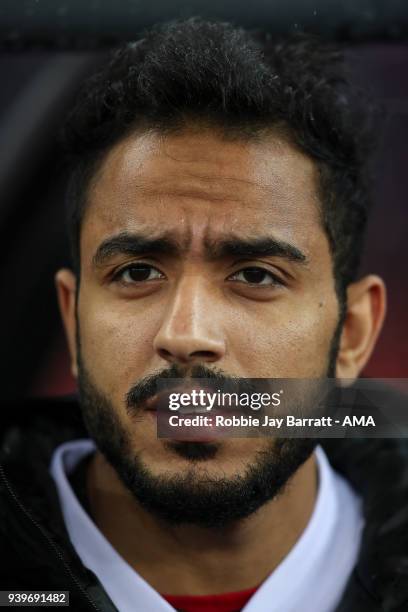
point(36, 553)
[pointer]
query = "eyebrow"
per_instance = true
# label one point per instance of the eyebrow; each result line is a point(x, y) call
point(138, 244)
point(257, 247)
point(133, 244)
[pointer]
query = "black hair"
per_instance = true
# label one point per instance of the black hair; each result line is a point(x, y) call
point(242, 83)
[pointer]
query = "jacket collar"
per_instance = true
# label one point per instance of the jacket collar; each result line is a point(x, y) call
point(376, 468)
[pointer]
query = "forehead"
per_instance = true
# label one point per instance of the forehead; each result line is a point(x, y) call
point(199, 184)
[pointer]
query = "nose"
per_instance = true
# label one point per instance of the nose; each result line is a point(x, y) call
point(191, 330)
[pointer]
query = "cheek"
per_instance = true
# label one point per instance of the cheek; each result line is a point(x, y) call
point(283, 342)
point(117, 344)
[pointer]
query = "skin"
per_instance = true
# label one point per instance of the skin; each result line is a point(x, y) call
point(196, 187)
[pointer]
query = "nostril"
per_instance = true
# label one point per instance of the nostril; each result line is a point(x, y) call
point(187, 356)
point(164, 353)
point(204, 355)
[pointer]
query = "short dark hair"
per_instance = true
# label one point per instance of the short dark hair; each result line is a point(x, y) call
point(242, 83)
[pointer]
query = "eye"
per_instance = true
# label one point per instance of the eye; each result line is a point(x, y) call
point(256, 276)
point(138, 273)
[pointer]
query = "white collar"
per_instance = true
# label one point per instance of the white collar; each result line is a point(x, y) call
point(315, 570)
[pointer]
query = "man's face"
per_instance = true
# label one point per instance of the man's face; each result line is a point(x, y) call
point(196, 250)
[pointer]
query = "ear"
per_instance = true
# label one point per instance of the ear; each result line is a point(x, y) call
point(65, 281)
point(366, 306)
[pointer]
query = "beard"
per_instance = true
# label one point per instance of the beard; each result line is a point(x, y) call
point(193, 496)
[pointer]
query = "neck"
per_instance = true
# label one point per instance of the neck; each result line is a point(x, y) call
point(190, 560)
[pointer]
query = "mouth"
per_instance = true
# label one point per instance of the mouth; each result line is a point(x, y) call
point(197, 426)
point(161, 401)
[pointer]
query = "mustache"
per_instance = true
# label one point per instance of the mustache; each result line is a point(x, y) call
point(148, 387)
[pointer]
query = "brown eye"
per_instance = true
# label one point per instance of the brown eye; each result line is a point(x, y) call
point(256, 276)
point(139, 273)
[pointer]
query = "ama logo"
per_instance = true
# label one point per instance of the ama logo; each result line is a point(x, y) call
point(359, 421)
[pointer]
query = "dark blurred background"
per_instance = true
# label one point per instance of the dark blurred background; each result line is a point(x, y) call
point(47, 49)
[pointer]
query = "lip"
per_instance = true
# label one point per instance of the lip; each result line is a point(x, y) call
point(154, 403)
point(157, 407)
point(199, 433)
